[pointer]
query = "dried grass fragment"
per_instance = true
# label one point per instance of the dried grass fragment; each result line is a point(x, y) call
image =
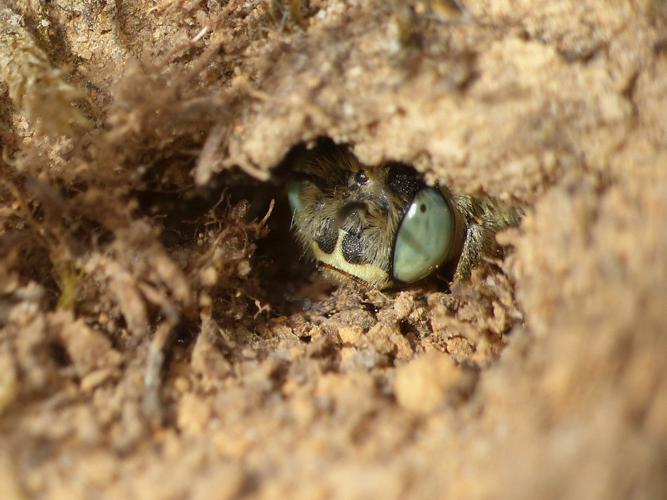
point(38, 89)
point(208, 162)
point(152, 404)
point(288, 14)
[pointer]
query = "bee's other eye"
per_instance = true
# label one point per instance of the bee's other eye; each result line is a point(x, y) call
point(294, 195)
point(424, 236)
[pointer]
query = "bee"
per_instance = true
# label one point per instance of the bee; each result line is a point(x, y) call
point(383, 226)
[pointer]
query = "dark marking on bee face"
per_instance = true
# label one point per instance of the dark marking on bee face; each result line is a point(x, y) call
point(351, 210)
point(352, 249)
point(403, 180)
point(327, 236)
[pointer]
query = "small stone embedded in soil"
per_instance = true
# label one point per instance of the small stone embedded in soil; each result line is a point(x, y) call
point(208, 276)
point(350, 335)
point(428, 382)
point(88, 348)
point(386, 338)
point(459, 348)
point(364, 359)
point(403, 306)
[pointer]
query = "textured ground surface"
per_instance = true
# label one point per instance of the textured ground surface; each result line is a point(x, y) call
point(159, 338)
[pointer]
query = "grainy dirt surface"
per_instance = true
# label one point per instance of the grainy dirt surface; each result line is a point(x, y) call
point(160, 336)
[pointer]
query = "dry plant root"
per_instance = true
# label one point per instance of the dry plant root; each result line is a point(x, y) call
point(153, 375)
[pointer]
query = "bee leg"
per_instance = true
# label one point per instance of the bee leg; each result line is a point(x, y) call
point(471, 252)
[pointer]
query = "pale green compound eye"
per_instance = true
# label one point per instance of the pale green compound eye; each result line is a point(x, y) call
point(294, 195)
point(424, 236)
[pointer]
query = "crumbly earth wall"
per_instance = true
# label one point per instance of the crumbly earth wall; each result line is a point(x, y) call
point(159, 337)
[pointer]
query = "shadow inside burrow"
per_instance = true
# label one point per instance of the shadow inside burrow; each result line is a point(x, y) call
point(184, 212)
point(286, 278)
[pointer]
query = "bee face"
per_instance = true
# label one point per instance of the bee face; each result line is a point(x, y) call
point(377, 225)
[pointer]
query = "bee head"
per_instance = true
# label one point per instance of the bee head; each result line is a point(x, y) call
point(379, 225)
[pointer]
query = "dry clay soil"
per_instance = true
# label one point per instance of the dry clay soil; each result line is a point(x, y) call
point(161, 337)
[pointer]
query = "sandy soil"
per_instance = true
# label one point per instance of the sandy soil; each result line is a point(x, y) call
point(160, 338)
